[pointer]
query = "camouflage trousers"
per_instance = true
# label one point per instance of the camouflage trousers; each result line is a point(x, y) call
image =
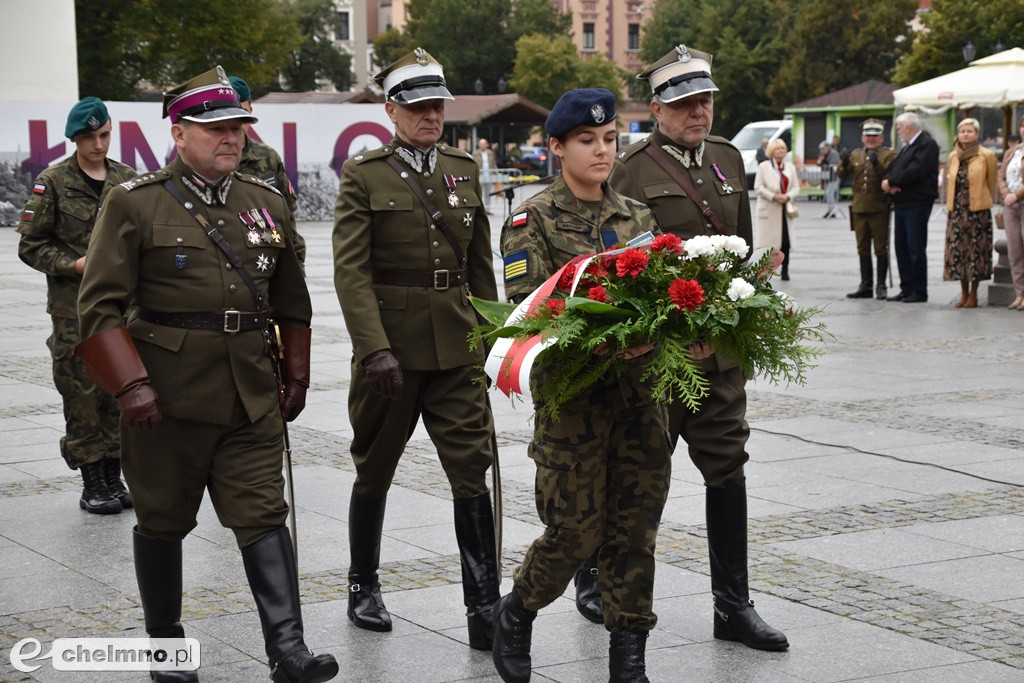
point(91, 415)
point(603, 474)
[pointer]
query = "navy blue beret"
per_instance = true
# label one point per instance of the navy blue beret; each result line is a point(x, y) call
point(580, 107)
point(85, 117)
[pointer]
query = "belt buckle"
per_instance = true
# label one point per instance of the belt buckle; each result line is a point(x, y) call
point(437, 275)
point(232, 325)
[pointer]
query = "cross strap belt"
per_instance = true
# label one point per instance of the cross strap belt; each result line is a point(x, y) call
point(228, 322)
point(437, 279)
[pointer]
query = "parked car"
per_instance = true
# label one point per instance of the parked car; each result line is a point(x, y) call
point(748, 140)
point(534, 158)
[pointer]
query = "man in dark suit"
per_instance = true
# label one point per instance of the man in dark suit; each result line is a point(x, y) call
point(913, 182)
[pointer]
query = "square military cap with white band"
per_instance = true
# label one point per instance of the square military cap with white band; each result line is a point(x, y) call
point(681, 73)
point(413, 78)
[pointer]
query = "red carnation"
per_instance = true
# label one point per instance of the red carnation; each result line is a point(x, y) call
point(631, 262)
point(597, 268)
point(566, 278)
point(556, 306)
point(687, 295)
point(667, 242)
point(598, 293)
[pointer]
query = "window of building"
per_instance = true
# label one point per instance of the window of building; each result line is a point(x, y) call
point(634, 37)
point(342, 32)
point(588, 36)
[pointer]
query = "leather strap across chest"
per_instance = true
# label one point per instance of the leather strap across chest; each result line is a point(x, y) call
point(662, 160)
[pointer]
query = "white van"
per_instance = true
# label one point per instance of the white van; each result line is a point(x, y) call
point(748, 141)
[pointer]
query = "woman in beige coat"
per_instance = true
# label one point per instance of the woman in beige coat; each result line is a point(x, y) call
point(1011, 194)
point(776, 186)
point(970, 188)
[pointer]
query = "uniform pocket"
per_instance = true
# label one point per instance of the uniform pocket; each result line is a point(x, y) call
point(557, 482)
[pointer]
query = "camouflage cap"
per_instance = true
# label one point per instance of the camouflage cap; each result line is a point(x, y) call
point(205, 98)
point(415, 77)
point(85, 117)
point(872, 127)
point(580, 107)
point(681, 73)
point(241, 88)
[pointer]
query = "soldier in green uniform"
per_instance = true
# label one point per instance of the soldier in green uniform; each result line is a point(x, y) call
point(264, 162)
point(196, 258)
point(603, 467)
point(403, 274)
point(55, 228)
point(869, 216)
point(683, 105)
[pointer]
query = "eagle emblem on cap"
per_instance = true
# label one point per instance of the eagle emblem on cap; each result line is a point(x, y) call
point(221, 76)
point(597, 111)
point(421, 56)
point(682, 54)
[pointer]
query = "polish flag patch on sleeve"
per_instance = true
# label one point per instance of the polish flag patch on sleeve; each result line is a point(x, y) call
point(39, 188)
point(519, 220)
point(27, 215)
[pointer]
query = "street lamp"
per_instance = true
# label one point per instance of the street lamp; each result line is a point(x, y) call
point(502, 83)
point(969, 52)
point(478, 85)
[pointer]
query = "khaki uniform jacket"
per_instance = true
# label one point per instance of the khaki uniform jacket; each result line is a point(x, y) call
point(868, 196)
point(149, 251)
point(380, 224)
point(56, 225)
point(637, 175)
point(557, 227)
point(982, 176)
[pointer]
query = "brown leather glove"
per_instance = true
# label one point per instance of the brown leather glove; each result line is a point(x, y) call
point(113, 363)
point(295, 370)
point(384, 373)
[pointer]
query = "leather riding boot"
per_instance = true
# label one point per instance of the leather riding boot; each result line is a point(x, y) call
point(274, 582)
point(365, 523)
point(881, 292)
point(735, 618)
point(474, 530)
point(864, 288)
point(158, 572)
point(513, 631)
point(112, 476)
point(626, 663)
point(96, 497)
point(588, 590)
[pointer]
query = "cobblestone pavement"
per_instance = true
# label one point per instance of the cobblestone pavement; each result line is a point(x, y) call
point(886, 512)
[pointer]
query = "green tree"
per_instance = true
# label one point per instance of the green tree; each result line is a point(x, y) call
point(392, 45)
point(545, 68)
point(951, 24)
point(109, 66)
point(822, 54)
point(598, 71)
point(317, 58)
point(538, 16)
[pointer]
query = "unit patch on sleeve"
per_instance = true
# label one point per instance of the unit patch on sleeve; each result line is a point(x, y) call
point(516, 265)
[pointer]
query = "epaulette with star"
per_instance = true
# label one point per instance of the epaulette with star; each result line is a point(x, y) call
point(368, 155)
point(249, 178)
point(454, 152)
point(629, 151)
point(145, 179)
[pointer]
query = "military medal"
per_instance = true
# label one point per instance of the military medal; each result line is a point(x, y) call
point(258, 218)
point(467, 220)
point(449, 182)
point(262, 263)
point(726, 187)
point(252, 235)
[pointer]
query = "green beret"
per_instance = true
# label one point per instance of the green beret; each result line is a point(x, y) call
point(85, 117)
point(241, 87)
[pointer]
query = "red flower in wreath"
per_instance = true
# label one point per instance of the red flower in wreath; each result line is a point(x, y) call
point(556, 306)
point(598, 293)
point(667, 242)
point(687, 295)
point(566, 278)
point(631, 262)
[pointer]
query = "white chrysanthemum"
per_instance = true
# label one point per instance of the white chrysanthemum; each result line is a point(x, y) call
point(724, 265)
point(735, 244)
point(783, 296)
point(739, 289)
point(701, 245)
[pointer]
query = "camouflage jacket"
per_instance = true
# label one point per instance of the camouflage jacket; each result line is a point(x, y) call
point(56, 225)
point(265, 163)
point(553, 226)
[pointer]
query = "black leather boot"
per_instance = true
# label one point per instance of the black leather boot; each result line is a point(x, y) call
point(513, 631)
point(474, 530)
point(112, 477)
point(158, 572)
point(881, 292)
point(626, 663)
point(588, 590)
point(96, 497)
point(735, 618)
point(365, 523)
point(864, 289)
point(274, 581)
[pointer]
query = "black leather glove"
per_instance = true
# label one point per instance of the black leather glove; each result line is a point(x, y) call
point(384, 373)
point(294, 400)
point(872, 155)
point(844, 154)
point(139, 407)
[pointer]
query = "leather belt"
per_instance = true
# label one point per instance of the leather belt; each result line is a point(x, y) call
point(229, 322)
point(438, 279)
